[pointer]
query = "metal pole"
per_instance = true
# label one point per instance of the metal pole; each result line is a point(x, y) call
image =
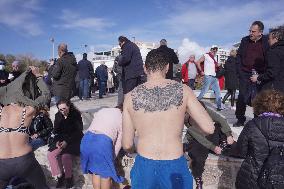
point(52, 41)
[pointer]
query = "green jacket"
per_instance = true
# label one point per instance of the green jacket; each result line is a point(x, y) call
point(194, 132)
point(26, 90)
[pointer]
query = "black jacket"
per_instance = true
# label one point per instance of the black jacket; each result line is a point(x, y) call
point(241, 53)
point(273, 77)
point(85, 69)
point(69, 130)
point(41, 125)
point(173, 57)
point(252, 145)
point(231, 79)
point(63, 74)
point(131, 61)
point(101, 73)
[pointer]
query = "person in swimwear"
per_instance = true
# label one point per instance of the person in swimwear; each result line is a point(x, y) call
point(155, 110)
point(21, 99)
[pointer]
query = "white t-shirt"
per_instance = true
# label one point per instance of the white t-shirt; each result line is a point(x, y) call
point(209, 66)
point(192, 71)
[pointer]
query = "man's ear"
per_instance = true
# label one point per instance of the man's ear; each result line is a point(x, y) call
point(167, 68)
point(145, 70)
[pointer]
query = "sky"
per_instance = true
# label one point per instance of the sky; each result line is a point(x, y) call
point(190, 26)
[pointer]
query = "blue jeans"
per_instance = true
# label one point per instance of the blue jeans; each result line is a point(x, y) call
point(191, 83)
point(213, 82)
point(84, 88)
point(102, 88)
point(36, 143)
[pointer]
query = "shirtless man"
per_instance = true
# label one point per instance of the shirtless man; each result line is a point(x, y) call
point(16, 156)
point(155, 111)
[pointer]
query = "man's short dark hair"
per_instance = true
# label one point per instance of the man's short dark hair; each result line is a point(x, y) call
point(156, 60)
point(122, 39)
point(85, 55)
point(277, 33)
point(259, 24)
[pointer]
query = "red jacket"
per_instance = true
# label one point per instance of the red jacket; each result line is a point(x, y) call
point(184, 72)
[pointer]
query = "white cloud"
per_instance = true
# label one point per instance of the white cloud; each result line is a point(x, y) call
point(188, 48)
point(73, 20)
point(20, 16)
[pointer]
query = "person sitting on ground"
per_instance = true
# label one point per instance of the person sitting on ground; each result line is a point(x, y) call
point(68, 127)
point(155, 110)
point(21, 101)
point(199, 146)
point(258, 138)
point(98, 146)
point(40, 129)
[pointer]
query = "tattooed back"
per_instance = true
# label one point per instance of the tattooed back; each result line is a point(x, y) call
point(157, 111)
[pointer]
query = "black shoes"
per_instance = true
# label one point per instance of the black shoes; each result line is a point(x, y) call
point(60, 181)
point(69, 182)
point(199, 182)
point(238, 124)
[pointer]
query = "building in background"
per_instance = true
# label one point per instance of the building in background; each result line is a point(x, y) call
point(222, 55)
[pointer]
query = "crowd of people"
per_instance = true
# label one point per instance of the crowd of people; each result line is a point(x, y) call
point(152, 110)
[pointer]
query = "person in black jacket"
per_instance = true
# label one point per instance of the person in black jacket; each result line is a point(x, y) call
point(63, 73)
point(102, 77)
point(40, 129)
point(68, 127)
point(4, 75)
point(172, 55)
point(251, 55)
point(273, 77)
point(132, 64)
point(86, 71)
point(231, 80)
point(252, 143)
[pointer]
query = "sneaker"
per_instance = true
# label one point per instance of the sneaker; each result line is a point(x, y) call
point(233, 107)
point(199, 182)
point(69, 182)
point(60, 182)
point(219, 109)
point(238, 124)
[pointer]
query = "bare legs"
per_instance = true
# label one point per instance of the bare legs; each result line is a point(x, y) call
point(101, 183)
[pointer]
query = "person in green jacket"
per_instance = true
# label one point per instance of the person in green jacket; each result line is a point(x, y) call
point(199, 145)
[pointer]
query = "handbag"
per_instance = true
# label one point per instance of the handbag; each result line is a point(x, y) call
point(220, 71)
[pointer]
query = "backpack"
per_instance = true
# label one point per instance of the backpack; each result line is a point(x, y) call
point(271, 175)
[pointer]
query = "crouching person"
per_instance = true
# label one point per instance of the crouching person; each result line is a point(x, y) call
point(40, 129)
point(99, 145)
point(68, 127)
point(199, 145)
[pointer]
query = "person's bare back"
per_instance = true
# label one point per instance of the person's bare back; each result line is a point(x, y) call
point(14, 144)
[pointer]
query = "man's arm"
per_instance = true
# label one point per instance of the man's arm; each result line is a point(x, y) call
point(198, 62)
point(125, 55)
point(128, 130)
point(56, 70)
point(198, 113)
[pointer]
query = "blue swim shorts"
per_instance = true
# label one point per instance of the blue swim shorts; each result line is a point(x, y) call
point(160, 174)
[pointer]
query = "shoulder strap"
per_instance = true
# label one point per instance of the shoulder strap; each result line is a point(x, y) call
point(23, 116)
point(1, 108)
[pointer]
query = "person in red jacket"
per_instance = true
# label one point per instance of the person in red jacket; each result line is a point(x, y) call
point(189, 72)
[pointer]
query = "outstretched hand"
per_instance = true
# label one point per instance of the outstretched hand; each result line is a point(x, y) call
point(35, 70)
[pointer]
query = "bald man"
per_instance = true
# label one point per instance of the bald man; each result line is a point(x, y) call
point(63, 74)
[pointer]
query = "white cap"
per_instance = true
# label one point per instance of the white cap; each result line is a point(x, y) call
point(214, 46)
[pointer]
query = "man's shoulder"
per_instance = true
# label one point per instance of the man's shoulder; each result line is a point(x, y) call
point(158, 97)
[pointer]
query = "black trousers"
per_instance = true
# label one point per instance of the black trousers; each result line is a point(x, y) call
point(25, 167)
point(232, 93)
point(244, 98)
point(198, 153)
